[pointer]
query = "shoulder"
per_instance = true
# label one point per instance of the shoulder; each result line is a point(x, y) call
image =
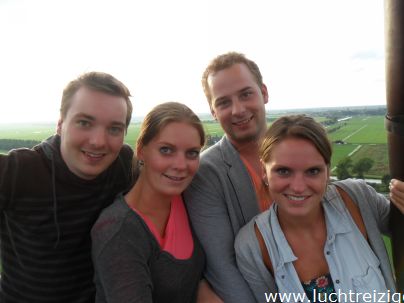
point(114, 220)
point(22, 158)
point(219, 156)
point(23, 154)
point(126, 153)
point(212, 154)
point(110, 218)
point(357, 184)
point(357, 189)
point(246, 236)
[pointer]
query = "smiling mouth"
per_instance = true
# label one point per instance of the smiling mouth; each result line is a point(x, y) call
point(92, 155)
point(174, 178)
point(296, 198)
point(242, 122)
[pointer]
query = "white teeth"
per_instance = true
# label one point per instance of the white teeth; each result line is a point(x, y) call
point(175, 178)
point(93, 155)
point(296, 198)
point(243, 121)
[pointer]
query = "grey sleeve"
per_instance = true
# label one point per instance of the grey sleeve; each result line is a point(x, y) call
point(251, 265)
point(121, 270)
point(209, 217)
point(369, 202)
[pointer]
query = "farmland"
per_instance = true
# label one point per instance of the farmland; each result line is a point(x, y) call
point(362, 136)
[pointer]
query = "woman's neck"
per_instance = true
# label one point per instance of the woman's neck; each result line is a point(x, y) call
point(313, 221)
point(151, 204)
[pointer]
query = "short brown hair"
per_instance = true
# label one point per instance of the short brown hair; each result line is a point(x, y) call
point(296, 126)
point(225, 61)
point(96, 81)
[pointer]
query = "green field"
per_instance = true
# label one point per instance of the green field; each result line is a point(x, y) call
point(27, 131)
point(361, 130)
point(365, 132)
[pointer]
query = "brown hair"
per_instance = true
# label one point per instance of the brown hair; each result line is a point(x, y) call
point(296, 126)
point(96, 81)
point(225, 61)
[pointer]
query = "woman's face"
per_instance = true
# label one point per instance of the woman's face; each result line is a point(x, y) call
point(171, 159)
point(297, 177)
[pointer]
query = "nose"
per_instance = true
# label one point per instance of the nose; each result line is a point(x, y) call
point(298, 183)
point(238, 107)
point(180, 161)
point(98, 138)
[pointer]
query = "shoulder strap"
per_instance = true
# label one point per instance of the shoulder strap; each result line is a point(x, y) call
point(353, 210)
point(264, 251)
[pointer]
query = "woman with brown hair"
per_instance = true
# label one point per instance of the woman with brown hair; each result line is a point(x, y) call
point(319, 240)
point(144, 249)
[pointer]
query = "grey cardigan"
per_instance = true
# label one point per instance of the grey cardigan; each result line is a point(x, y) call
point(220, 200)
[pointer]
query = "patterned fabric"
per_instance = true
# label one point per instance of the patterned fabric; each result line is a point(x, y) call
point(321, 287)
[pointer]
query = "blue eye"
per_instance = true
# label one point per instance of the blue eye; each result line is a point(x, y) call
point(83, 123)
point(283, 171)
point(313, 171)
point(222, 103)
point(165, 150)
point(115, 130)
point(193, 154)
point(246, 94)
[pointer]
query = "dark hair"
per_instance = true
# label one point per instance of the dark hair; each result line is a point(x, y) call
point(225, 61)
point(296, 126)
point(96, 81)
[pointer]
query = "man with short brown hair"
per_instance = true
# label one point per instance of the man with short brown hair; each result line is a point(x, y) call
point(228, 190)
point(51, 195)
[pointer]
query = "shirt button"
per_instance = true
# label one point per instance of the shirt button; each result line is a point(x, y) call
point(328, 252)
point(283, 277)
point(337, 281)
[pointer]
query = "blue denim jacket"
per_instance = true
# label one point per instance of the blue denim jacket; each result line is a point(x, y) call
point(352, 262)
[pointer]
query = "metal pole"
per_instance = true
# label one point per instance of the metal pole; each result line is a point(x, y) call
point(394, 35)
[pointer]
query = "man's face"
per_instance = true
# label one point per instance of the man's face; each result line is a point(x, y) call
point(238, 103)
point(92, 132)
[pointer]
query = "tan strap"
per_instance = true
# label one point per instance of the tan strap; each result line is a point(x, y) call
point(353, 210)
point(264, 251)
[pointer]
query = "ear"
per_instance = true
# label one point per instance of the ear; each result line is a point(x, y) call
point(264, 173)
point(328, 173)
point(139, 152)
point(59, 126)
point(212, 111)
point(264, 91)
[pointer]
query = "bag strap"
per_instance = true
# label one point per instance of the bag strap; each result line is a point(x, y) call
point(353, 210)
point(264, 251)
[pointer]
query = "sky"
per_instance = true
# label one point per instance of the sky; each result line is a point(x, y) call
point(311, 53)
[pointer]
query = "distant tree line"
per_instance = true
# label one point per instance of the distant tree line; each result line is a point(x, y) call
point(347, 169)
point(212, 139)
point(8, 144)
